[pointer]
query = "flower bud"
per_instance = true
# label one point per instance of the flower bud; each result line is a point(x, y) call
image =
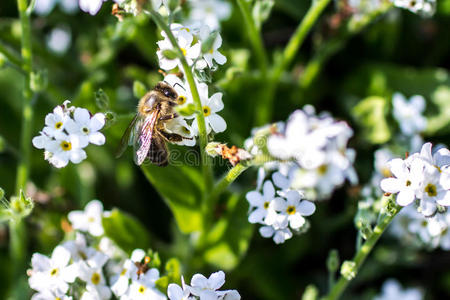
point(348, 269)
point(102, 100)
point(39, 80)
point(21, 206)
point(333, 261)
point(311, 293)
point(170, 54)
point(214, 149)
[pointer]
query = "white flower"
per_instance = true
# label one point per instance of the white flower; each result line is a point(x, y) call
point(207, 288)
point(432, 192)
point(294, 209)
point(96, 287)
point(262, 205)
point(50, 295)
point(91, 6)
point(121, 282)
point(210, 107)
point(55, 122)
point(393, 290)
point(209, 12)
point(213, 53)
point(59, 40)
point(89, 220)
point(424, 7)
point(406, 182)
point(175, 292)
point(409, 113)
point(87, 127)
point(53, 273)
point(279, 230)
point(81, 252)
point(64, 149)
point(143, 287)
point(184, 39)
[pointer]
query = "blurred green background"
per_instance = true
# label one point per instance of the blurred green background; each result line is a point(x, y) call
point(399, 52)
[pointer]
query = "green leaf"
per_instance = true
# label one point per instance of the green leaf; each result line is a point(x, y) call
point(230, 237)
point(182, 189)
point(127, 232)
point(173, 275)
point(440, 122)
point(371, 113)
point(139, 89)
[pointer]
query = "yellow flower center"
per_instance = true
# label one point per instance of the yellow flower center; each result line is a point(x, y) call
point(431, 190)
point(185, 28)
point(85, 130)
point(386, 172)
point(266, 205)
point(322, 169)
point(184, 51)
point(206, 110)
point(57, 298)
point(181, 99)
point(91, 219)
point(124, 271)
point(95, 279)
point(211, 51)
point(141, 289)
point(186, 131)
point(290, 210)
point(58, 125)
point(54, 272)
point(66, 146)
point(408, 182)
point(82, 255)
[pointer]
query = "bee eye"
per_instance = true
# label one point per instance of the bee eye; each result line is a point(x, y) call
point(167, 92)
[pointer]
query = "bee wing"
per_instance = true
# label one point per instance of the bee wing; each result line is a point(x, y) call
point(144, 137)
point(127, 138)
point(158, 153)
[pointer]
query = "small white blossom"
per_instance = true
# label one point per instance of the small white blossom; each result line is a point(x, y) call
point(53, 273)
point(210, 107)
point(423, 7)
point(208, 12)
point(213, 54)
point(207, 288)
point(393, 290)
point(175, 292)
point(409, 113)
point(96, 287)
point(143, 287)
point(87, 127)
point(263, 205)
point(50, 295)
point(89, 220)
point(294, 208)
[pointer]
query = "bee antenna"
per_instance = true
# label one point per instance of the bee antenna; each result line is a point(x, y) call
point(176, 83)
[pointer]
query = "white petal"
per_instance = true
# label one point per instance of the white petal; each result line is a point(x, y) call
point(280, 180)
point(257, 216)
point(137, 255)
point(97, 122)
point(81, 116)
point(40, 141)
point(306, 208)
point(216, 280)
point(94, 208)
point(296, 221)
point(293, 197)
point(97, 138)
point(198, 280)
point(40, 262)
point(279, 204)
point(219, 58)
point(254, 198)
point(77, 156)
point(174, 292)
point(60, 257)
point(405, 197)
point(390, 185)
point(266, 231)
point(217, 123)
point(215, 102)
point(268, 191)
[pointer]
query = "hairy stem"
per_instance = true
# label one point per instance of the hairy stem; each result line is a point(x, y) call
point(362, 254)
point(254, 35)
point(228, 179)
point(264, 113)
point(203, 136)
point(18, 242)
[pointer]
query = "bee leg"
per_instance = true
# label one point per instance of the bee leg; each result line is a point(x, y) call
point(168, 117)
point(171, 137)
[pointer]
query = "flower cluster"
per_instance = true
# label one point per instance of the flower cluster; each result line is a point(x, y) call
point(67, 131)
point(192, 43)
point(93, 267)
point(279, 212)
point(202, 288)
point(392, 289)
point(424, 177)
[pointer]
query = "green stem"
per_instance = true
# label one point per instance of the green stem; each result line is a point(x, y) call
point(362, 254)
point(231, 176)
point(27, 110)
point(354, 27)
point(255, 37)
point(10, 55)
point(203, 136)
point(265, 109)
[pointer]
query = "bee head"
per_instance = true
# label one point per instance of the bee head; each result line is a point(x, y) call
point(166, 90)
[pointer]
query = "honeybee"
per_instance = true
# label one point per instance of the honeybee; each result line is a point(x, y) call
point(146, 132)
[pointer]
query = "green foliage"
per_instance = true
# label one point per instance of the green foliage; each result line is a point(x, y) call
point(229, 239)
point(182, 189)
point(172, 275)
point(139, 89)
point(127, 232)
point(371, 115)
point(261, 11)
